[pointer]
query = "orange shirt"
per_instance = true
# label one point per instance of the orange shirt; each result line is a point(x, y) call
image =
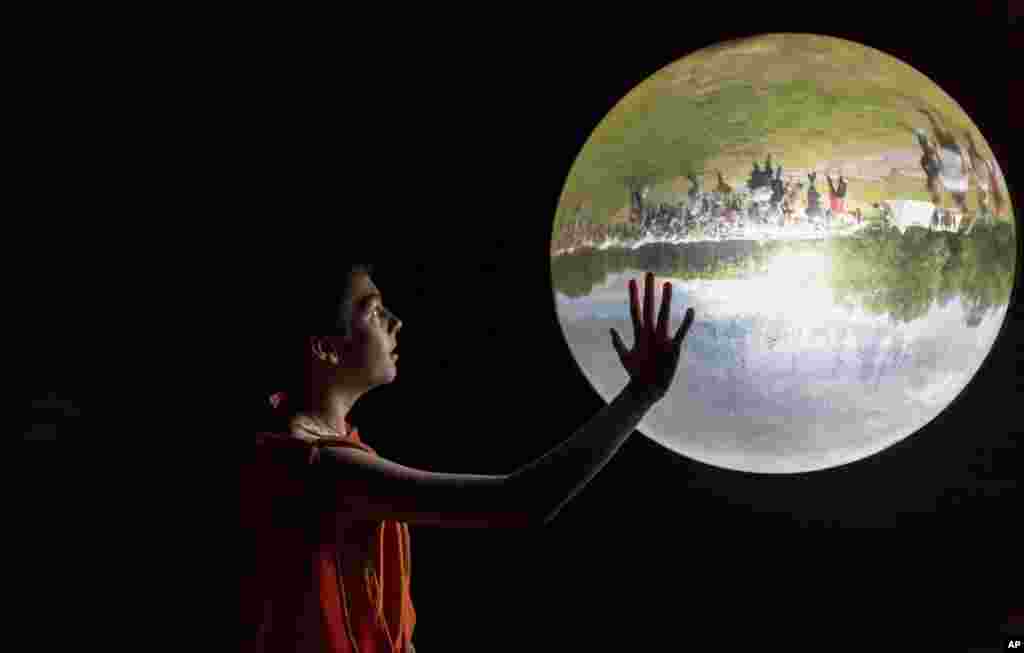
point(317, 579)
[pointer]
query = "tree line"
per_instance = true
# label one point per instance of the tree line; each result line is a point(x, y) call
point(880, 270)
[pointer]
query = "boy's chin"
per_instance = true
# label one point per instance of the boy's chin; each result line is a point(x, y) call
point(388, 375)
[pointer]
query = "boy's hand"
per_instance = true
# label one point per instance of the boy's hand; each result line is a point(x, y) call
point(654, 358)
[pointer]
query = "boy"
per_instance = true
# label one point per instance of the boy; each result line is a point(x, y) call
point(328, 516)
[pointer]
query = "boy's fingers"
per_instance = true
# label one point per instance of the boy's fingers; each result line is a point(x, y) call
point(649, 301)
point(664, 313)
point(684, 328)
point(634, 307)
point(620, 348)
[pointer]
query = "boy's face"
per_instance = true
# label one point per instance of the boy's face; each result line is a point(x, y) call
point(368, 357)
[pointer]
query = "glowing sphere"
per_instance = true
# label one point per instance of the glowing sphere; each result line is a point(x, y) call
point(846, 290)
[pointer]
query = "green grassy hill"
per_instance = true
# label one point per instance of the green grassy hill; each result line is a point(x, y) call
point(803, 98)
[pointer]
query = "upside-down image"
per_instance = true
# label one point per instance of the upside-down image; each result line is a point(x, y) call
point(838, 223)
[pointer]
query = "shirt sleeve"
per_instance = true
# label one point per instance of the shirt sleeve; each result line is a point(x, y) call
point(285, 464)
point(278, 469)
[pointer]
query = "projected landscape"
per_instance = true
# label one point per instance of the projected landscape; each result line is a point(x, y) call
point(846, 240)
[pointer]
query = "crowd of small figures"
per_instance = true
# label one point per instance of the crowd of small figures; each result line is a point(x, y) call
point(581, 233)
point(713, 217)
point(771, 205)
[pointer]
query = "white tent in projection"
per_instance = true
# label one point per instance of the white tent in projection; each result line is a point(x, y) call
point(910, 212)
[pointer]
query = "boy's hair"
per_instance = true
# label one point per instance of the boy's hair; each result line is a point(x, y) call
point(326, 304)
point(336, 305)
point(318, 307)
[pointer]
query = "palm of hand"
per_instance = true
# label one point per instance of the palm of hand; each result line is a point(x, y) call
point(653, 360)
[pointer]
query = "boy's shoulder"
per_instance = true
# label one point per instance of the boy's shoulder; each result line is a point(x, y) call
point(301, 445)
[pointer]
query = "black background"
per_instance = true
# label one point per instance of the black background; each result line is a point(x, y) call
point(450, 141)
point(436, 145)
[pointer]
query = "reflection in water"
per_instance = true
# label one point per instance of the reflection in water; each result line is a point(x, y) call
point(846, 240)
point(804, 355)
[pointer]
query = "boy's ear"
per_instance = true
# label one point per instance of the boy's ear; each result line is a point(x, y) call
point(324, 348)
point(319, 346)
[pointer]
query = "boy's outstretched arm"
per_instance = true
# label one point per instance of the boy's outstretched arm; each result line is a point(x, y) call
point(373, 488)
point(552, 480)
point(547, 484)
